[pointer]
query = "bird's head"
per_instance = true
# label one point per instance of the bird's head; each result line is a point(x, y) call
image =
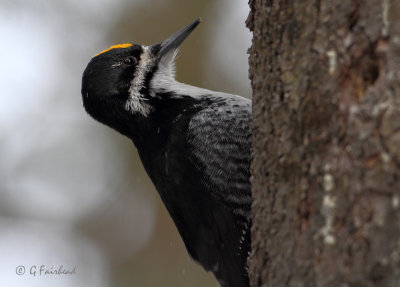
point(116, 84)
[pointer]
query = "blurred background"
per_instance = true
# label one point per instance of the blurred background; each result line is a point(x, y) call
point(73, 192)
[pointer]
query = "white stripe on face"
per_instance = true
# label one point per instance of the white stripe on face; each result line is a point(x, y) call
point(136, 101)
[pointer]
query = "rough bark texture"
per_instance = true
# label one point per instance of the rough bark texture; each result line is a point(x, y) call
point(326, 143)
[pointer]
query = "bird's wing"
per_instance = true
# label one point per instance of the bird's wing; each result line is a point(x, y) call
point(207, 160)
point(220, 137)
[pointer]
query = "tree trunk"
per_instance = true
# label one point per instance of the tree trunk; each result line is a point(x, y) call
point(326, 143)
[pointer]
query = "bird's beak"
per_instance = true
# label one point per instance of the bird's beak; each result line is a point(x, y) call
point(174, 41)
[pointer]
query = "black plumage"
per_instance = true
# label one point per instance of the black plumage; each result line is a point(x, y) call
point(194, 144)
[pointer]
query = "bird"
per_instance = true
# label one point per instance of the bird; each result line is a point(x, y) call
point(194, 143)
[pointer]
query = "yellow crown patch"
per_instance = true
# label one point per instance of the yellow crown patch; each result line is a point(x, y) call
point(125, 45)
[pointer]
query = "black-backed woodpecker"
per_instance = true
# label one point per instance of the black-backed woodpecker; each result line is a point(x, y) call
point(194, 144)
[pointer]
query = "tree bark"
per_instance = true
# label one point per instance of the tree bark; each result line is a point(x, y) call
point(326, 143)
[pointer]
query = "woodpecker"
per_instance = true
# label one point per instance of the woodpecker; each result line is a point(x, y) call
point(194, 145)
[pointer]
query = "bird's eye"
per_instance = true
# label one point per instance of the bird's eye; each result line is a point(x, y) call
point(130, 61)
